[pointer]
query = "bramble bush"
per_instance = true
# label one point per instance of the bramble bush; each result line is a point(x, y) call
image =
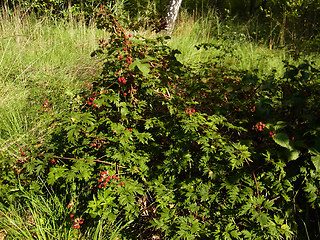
point(155, 149)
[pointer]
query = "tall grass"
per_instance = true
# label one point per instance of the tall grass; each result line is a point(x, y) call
point(35, 217)
point(38, 58)
point(233, 48)
point(47, 217)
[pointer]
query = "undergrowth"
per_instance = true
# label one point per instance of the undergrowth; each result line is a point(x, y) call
point(202, 126)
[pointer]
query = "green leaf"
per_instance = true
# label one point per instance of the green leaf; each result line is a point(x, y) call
point(315, 149)
point(55, 173)
point(316, 162)
point(282, 139)
point(294, 155)
point(142, 66)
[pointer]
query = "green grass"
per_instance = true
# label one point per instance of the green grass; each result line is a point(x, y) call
point(39, 59)
point(46, 217)
point(235, 50)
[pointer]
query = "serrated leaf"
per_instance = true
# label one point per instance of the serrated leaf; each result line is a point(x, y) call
point(55, 173)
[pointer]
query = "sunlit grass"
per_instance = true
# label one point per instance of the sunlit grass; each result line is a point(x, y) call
point(39, 58)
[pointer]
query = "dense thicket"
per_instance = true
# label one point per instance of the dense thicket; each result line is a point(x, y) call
point(156, 148)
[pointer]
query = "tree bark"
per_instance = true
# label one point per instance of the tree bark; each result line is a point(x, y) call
point(171, 15)
point(283, 28)
point(70, 11)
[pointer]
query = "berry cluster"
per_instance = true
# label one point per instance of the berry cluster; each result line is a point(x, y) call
point(190, 111)
point(76, 221)
point(129, 61)
point(20, 163)
point(122, 80)
point(91, 100)
point(97, 143)
point(271, 134)
point(105, 178)
point(259, 127)
point(178, 90)
point(46, 106)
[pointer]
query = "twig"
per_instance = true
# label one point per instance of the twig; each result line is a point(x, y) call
point(89, 160)
point(254, 176)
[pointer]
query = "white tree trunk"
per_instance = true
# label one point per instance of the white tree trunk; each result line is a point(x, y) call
point(172, 13)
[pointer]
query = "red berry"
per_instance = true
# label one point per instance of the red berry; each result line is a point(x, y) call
point(120, 57)
point(69, 205)
point(76, 226)
point(53, 161)
point(130, 35)
point(130, 42)
point(193, 111)
point(72, 215)
point(122, 183)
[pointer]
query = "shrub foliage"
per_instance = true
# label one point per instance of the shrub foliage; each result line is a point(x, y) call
point(182, 152)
